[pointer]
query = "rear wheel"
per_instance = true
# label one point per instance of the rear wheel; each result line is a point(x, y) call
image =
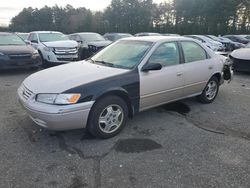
point(108, 117)
point(210, 92)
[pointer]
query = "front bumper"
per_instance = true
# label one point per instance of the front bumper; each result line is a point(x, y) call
point(53, 58)
point(7, 63)
point(56, 117)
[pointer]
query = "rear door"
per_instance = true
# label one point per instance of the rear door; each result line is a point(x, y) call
point(161, 86)
point(198, 67)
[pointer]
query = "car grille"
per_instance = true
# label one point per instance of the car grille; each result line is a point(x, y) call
point(65, 51)
point(67, 59)
point(20, 56)
point(25, 92)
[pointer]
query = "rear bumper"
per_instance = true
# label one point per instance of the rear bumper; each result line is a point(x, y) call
point(57, 117)
point(241, 65)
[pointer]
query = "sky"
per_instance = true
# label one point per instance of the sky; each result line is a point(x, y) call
point(11, 8)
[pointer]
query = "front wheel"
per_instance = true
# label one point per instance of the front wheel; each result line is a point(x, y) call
point(210, 92)
point(108, 117)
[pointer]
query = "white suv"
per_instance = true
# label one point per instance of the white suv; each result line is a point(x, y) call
point(54, 47)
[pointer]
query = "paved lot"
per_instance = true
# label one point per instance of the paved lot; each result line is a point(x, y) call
point(185, 144)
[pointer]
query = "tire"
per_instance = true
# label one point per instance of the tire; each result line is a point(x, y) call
point(44, 62)
point(208, 97)
point(107, 117)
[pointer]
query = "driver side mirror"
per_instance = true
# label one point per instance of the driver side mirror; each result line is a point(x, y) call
point(27, 42)
point(34, 41)
point(151, 67)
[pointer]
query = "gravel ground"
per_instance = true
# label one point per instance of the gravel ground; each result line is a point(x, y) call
point(184, 144)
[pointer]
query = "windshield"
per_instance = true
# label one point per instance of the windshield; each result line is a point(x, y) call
point(124, 54)
point(49, 37)
point(23, 36)
point(91, 37)
point(214, 38)
point(225, 39)
point(120, 36)
point(11, 40)
point(207, 39)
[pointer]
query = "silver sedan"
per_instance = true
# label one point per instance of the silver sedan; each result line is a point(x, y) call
point(128, 76)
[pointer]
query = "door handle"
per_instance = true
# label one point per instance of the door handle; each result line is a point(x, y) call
point(210, 67)
point(179, 73)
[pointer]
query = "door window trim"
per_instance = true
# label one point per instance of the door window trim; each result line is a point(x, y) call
point(183, 54)
point(177, 48)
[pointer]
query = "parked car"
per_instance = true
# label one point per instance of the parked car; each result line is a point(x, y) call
point(89, 43)
point(116, 36)
point(54, 47)
point(241, 59)
point(147, 34)
point(15, 53)
point(24, 36)
point(214, 45)
point(228, 45)
point(237, 38)
point(235, 45)
point(170, 34)
point(120, 81)
point(246, 36)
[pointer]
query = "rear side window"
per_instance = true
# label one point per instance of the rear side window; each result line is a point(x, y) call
point(166, 54)
point(193, 52)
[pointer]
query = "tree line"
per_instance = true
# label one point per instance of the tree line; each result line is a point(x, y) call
point(133, 16)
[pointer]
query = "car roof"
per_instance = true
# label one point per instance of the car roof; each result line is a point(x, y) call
point(158, 38)
point(45, 32)
point(84, 33)
point(117, 34)
point(21, 33)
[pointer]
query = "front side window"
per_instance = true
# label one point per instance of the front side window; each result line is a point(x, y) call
point(124, 54)
point(193, 52)
point(166, 54)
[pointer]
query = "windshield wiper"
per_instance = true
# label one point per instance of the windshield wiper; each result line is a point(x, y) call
point(106, 63)
point(90, 59)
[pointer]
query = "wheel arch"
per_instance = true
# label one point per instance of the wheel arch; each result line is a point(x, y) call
point(123, 94)
point(217, 75)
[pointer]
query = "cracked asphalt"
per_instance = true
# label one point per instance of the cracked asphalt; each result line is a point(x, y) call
point(184, 144)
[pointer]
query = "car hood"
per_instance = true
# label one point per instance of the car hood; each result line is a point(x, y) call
point(243, 53)
point(61, 44)
point(100, 43)
point(61, 78)
point(16, 49)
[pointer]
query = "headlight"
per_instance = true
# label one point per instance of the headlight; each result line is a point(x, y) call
point(1, 53)
point(48, 49)
point(93, 48)
point(58, 98)
point(35, 53)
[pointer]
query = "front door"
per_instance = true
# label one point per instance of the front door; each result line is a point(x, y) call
point(165, 85)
